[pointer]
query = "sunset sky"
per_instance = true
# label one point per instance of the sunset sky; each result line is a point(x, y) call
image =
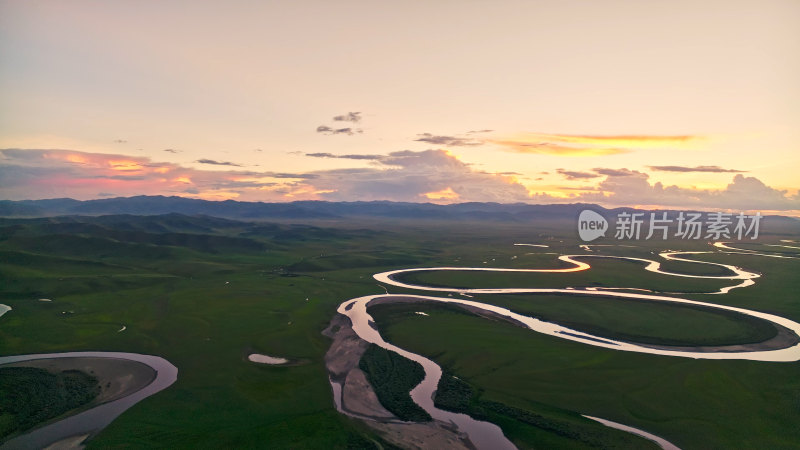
point(666, 104)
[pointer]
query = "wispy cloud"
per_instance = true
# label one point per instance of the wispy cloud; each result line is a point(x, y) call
point(591, 145)
point(548, 148)
point(448, 141)
point(299, 176)
point(331, 131)
point(596, 173)
point(217, 163)
point(615, 172)
point(636, 141)
point(710, 169)
point(58, 173)
point(575, 175)
point(331, 155)
point(354, 117)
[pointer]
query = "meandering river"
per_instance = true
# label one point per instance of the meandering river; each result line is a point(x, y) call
point(488, 436)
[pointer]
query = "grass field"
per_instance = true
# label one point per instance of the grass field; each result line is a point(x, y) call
point(692, 403)
point(605, 272)
point(639, 320)
point(204, 292)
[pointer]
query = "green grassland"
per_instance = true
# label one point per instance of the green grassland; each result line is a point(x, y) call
point(203, 292)
point(542, 426)
point(692, 403)
point(642, 321)
point(605, 272)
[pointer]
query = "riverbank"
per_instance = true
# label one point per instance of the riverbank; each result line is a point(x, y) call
point(117, 378)
point(125, 378)
point(355, 397)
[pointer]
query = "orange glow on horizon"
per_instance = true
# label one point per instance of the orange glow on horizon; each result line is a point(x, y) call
point(551, 193)
point(447, 194)
point(215, 195)
point(306, 191)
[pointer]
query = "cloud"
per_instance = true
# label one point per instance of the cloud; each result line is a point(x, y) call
point(573, 175)
point(400, 176)
point(592, 145)
point(354, 117)
point(412, 175)
point(479, 131)
point(331, 131)
point(171, 150)
point(616, 172)
point(578, 188)
point(321, 155)
point(449, 141)
point(331, 155)
point(548, 148)
point(711, 169)
point(633, 188)
point(619, 140)
point(743, 191)
point(31, 174)
point(217, 163)
point(300, 176)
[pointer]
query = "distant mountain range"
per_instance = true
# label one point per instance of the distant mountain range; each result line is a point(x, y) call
point(313, 210)
point(153, 205)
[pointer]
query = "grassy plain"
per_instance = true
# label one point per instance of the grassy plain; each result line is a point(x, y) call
point(204, 292)
point(605, 272)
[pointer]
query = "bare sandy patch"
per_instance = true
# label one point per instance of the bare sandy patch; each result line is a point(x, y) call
point(266, 359)
point(70, 443)
point(358, 399)
point(365, 404)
